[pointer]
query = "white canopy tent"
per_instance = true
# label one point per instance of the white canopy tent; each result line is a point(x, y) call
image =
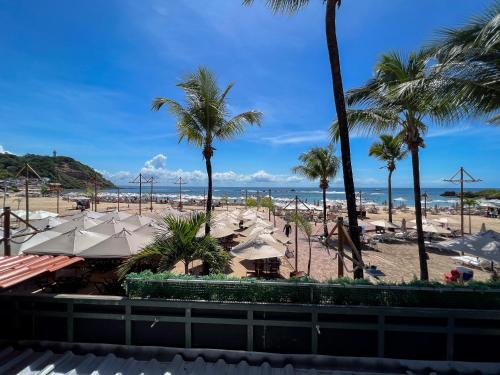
point(20, 244)
point(262, 246)
point(484, 245)
point(80, 223)
point(113, 226)
point(47, 223)
point(35, 215)
point(117, 215)
point(138, 220)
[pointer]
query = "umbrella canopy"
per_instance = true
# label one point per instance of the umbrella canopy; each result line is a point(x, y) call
point(150, 230)
point(424, 221)
point(35, 215)
point(119, 245)
point(138, 220)
point(445, 221)
point(47, 223)
point(279, 236)
point(262, 246)
point(69, 243)
point(117, 215)
point(485, 245)
point(88, 214)
point(113, 226)
point(20, 244)
point(218, 229)
point(431, 228)
point(80, 223)
point(258, 223)
point(383, 224)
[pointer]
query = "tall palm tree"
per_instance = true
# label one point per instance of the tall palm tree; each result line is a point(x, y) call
point(470, 202)
point(292, 6)
point(467, 71)
point(176, 241)
point(391, 105)
point(389, 149)
point(319, 163)
point(204, 119)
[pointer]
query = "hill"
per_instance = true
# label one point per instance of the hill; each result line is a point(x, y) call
point(72, 173)
point(486, 193)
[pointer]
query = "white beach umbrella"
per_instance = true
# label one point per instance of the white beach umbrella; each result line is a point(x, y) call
point(69, 243)
point(20, 244)
point(138, 220)
point(485, 245)
point(445, 221)
point(414, 222)
point(119, 245)
point(47, 223)
point(117, 215)
point(35, 215)
point(217, 230)
point(263, 246)
point(80, 223)
point(431, 228)
point(150, 230)
point(279, 236)
point(383, 224)
point(113, 226)
point(88, 214)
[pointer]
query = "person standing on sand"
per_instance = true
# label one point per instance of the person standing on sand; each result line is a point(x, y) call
point(287, 229)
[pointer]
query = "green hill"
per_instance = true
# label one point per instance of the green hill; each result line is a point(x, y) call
point(72, 173)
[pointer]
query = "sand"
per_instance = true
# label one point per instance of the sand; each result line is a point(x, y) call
point(398, 262)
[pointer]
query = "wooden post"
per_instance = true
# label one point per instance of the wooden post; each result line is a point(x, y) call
point(6, 231)
point(270, 203)
point(118, 199)
point(340, 246)
point(26, 191)
point(462, 200)
point(296, 235)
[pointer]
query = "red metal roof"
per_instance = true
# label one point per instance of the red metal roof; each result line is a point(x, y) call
point(15, 269)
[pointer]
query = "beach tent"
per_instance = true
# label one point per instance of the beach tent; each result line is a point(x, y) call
point(80, 223)
point(138, 220)
point(69, 243)
point(383, 224)
point(262, 246)
point(20, 244)
point(113, 226)
point(485, 245)
point(119, 245)
point(117, 215)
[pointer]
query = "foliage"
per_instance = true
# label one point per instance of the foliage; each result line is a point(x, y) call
point(251, 202)
point(389, 149)
point(178, 240)
point(468, 68)
point(343, 291)
point(70, 173)
point(318, 163)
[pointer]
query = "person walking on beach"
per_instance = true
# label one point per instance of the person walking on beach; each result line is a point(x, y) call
point(287, 229)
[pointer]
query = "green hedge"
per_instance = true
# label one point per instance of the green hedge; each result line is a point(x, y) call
point(221, 288)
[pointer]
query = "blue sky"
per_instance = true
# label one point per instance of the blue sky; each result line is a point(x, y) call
point(79, 77)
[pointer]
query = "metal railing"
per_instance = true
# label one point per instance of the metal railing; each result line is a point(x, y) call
point(368, 331)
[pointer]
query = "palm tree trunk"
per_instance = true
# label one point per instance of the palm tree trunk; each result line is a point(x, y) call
point(338, 93)
point(186, 267)
point(208, 162)
point(424, 273)
point(325, 225)
point(310, 256)
point(389, 194)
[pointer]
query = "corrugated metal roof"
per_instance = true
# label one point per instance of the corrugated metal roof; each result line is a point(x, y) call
point(44, 361)
point(15, 269)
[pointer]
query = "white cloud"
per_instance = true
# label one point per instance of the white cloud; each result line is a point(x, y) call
point(4, 151)
point(157, 167)
point(299, 137)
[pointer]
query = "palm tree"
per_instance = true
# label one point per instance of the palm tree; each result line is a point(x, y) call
point(391, 104)
point(468, 68)
point(204, 119)
point(389, 149)
point(305, 226)
point(178, 241)
point(292, 6)
point(470, 202)
point(319, 163)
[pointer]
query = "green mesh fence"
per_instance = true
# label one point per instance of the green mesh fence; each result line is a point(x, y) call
point(313, 293)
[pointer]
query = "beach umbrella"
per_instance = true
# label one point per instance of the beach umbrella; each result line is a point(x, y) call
point(483, 228)
point(88, 214)
point(446, 221)
point(138, 220)
point(47, 223)
point(218, 230)
point(431, 228)
point(116, 215)
point(69, 243)
point(485, 245)
point(262, 246)
point(119, 245)
point(35, 215)
point(383, 224)
point(20, 244)
point(113, 226)
point(414, 222)
point(80, 223)
point(279, 236)
point(151, 229)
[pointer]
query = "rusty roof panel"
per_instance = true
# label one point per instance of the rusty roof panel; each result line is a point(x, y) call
point(16, 269)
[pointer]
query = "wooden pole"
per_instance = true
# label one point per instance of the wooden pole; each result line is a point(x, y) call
point(462, 200)
point(270, 203)
point(340, 246)
point(26, 191)
point(151, 196)
point(95, 194)
point(6, 231)
point(118, 199)
point(140, 194)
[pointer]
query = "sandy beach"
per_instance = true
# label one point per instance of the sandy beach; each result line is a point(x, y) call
point(398, 262)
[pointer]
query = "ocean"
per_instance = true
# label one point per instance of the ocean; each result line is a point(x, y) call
point(306, 194)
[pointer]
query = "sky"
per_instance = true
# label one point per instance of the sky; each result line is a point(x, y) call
point(78, 77)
